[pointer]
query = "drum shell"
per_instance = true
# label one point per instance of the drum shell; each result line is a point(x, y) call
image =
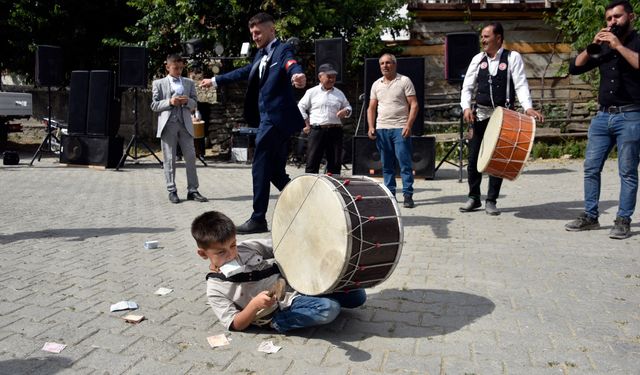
point(369, 227)
point(507, 144)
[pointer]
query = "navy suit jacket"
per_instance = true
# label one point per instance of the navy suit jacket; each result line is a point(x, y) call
point(269, 100)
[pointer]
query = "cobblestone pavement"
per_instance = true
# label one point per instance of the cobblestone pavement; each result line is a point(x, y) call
point(472, 293)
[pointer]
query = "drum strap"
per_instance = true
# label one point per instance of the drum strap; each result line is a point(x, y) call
point(508, 101)
point(246, 276)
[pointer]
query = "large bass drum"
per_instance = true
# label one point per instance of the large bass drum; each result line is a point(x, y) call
point(336, 234)
point(506, 144)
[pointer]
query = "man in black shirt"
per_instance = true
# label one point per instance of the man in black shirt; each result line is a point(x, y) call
point(617, 122)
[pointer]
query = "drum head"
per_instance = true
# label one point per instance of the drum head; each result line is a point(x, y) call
point(310, 234)
point(490, 139)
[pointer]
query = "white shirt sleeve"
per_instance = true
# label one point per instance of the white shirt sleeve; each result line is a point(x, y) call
point(520, 80)
point(344, 103)
point(469, 82)
point(304, 105)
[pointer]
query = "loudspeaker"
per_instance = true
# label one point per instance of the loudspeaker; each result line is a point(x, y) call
point(459, 49)
point(10, 158)
point(78, 100)
point(103, 112)
point(87, 150)
point(49, 70)
point(412, 67)
point(132, 67)
point(366, 158)
point(330, 51)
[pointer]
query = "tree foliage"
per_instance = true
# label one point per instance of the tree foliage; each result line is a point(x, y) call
point(78, 26)
point(89, 32)
point(579, 21)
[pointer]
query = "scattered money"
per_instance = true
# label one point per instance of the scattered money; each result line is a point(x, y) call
point(268, 347)
point(218, 340)
point(131, 318)
point(163, 291)
point(124, 305)
point(53, 347)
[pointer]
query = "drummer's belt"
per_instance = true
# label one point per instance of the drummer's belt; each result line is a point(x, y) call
point(246, 276)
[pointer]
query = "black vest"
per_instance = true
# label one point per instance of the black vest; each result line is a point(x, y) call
point(497, 82)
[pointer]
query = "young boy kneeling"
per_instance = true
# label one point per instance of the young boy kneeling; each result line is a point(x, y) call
point(245, 286)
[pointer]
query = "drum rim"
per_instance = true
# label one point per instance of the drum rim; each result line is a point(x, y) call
point(483, 164)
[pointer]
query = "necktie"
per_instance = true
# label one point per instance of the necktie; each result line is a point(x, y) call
point(263, 64)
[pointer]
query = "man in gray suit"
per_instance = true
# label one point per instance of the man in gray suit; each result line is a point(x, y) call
point(174, 98)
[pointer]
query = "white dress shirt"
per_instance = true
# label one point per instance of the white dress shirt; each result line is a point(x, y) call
point(177, 89)
point(320, 106)
point(516, 66)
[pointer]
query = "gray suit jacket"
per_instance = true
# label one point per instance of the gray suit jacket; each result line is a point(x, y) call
point(160, 102)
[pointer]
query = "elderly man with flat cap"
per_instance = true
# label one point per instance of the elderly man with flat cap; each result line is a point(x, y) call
point(322, 108)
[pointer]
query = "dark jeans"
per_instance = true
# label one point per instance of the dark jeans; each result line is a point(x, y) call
point(319, 141)
point(309, 311)
point(473, 176)
point(608, 130)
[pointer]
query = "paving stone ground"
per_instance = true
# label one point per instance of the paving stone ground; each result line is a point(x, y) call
point(471, 294)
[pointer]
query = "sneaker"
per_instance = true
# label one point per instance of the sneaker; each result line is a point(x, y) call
point(491, 209)
point(264, 316)
point(408, 201)
point(620, 229)
point(470, 205)
point(278, 289)
point(583, 222)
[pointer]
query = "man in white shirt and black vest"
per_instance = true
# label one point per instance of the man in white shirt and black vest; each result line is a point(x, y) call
point(490, 70)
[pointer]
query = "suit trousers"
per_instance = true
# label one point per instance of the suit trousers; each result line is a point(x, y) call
point(175, 133)
point(269, 167)
point(473, 176)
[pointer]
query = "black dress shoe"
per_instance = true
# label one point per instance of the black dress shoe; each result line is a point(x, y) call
point(195, 196)
point(173, 197)
point(252, 226)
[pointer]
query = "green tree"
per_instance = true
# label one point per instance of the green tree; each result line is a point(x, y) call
point(77, 26)
point(360, 22)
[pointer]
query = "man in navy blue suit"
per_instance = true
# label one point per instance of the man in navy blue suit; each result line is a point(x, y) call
point(270, 106)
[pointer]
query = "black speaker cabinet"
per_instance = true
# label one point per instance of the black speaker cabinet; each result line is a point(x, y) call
point(103, 112)
point(132, 65)
point(412, 67)
point(91, 150)
point(459, 49)
point(78, 99)
point(49, 70)
point(366, 158)
point(330, 51)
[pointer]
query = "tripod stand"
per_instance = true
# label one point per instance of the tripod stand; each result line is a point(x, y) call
point(459, 144)
point(135, 139)
point(47, 139)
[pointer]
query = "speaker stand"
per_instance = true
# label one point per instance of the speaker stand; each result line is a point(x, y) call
point(355, 133)
point(47, 139)
point(135, 139)
point(459, 144)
